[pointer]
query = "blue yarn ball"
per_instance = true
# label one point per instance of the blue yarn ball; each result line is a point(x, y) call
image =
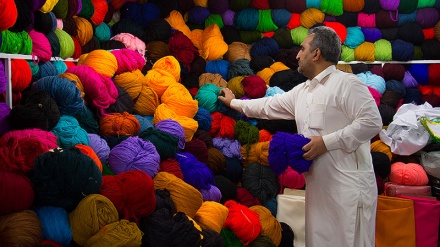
point(402, 50)
point(413, 96)
point(204, 119)
point(373, 80)
point(397, 86)
point(313, 4)
point(144, 121)
point(265, 46)
point(272, 205)
point(271, 91)
point(285, 149)
point(64, 92)
point(69, 132)
point(55, 224)
point(281, 17)
point(355, 37)
point(371, 34)
point(419, 72)
point(219, 66)
point(195, 172)
point(198, 15)
point(233, 170)
point(406, 18)
point(246, 19)
point(46, 69)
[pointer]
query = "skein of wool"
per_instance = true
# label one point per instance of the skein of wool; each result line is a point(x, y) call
point(197, 148)
point(63, 177)
point(92, 212)
point(13, 225)
point(134, 153)
point(159, 80)
point(12, 185)
point(180, 100)
point(20, 148)
point(87, 150)
point(171, 166)
point(261, 182)
point(270, 226)
point(213, 46)
point(55, 224)
point(9, 14)
point(246, 198)
point(124, 103)
point(131, 192)
point(186, 198)
point(120, 233)
point(207, 97)
point(69, 133)
point(102, 61)
point(242, 221)
point(119, 124)
point(195, 172)
point(229, 147)
point(165, 143)
point(255, 153)
point(173, 127)
point(408, 174)
point(211, 216)
point(212, 194)
point(216, 161)
point(286, 150)
point(128, 60)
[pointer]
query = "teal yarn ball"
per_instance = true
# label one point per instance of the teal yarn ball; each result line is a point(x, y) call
point(69, 132)
point(103, 32)
point(166, 144)
point(207, 97)
point(355, 37)
point(63, 177)
point(246, 19)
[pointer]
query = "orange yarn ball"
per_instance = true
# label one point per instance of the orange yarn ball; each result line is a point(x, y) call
point(265, 135)
point(311, 16)
point(408, 174)
point(353, 5)
point(101, 8)
point(116, 124)
point(87, 150)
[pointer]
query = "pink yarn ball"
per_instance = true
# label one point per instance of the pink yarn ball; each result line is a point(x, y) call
point(128, 60)
point(376, 95)
point(131, 42)
point(292, 179)
point(40, 46)
point(408, 174)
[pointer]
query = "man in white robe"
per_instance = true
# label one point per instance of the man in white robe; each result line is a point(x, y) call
point(337, 112)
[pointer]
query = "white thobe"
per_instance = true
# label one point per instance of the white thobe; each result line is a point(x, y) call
point(341, 192)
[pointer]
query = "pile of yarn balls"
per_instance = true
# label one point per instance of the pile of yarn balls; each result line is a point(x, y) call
point(115, 135)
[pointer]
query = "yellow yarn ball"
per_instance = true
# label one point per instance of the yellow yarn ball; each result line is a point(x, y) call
point(176, 21)
point(271, 227)
point(185, 197)
point(311, 17)
point(117, 234)
point(364, 52)
point(84, 30)
point(92, 212)
point(169, 64)
point(179, 99)
point(380, 146)
point(255, 153)
point(159, 80)
point(147, 101)
point(213, 46)
point(211, 216)
point(48, 6)
point(266, 74)
point(102, 61)
point(236, 87)
point(131, 82)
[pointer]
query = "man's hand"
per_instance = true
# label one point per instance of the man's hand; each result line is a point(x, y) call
point(314, 148)
point(227, 97)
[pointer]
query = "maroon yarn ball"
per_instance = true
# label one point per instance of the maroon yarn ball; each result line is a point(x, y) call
point(254, 86)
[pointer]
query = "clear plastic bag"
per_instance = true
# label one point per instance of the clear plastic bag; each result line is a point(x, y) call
point(431, 163)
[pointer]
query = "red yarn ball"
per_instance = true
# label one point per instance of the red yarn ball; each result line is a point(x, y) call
point(21, 74)
point(434, 74)
point(243, 222)
point(16, 193)
point(222, 126)
point(254, 86)
point(393, 72)
point(339, 28)
point(132, 193)
point(197, 148)
point(171, 166)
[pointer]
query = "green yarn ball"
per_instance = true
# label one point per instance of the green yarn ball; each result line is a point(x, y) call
point(246, 133)
point(298, 34)
point(214, 19)
point(383, 50)
point(347, 54)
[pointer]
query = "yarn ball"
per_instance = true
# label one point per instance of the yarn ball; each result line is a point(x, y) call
point(211, 216)
point(229, 147)
point(92, 212)
point(195, 172)
point(197, 148)
point(69, 133)
point(270, 226)
point(402, 50)
point(254, 86)
point(38, 110)
point(13, 225)
point(243, 222)
point(387, 113)
point(132, 193)
point(134, 153)
point(100, 147)
point(286, 150)
point(265, 47)
point(171, 166)
point(260, 181)
point(55, 224)
point(124, 103)
point(13, 184)
point(207, 97)
point(180, 100)
point(123, 232)
point(408, 174)
point(20, 148)
point(212, 194)
point(244, 197)
point(381, 164)
point(255, 153)
point(165, 143)
point(186, 198)
point(88, 121)
point(87, 150)
point(222, 126)
point(393, 71)
point(203, 118)
point(119, 124)
point(63, 177)
point(291, 179)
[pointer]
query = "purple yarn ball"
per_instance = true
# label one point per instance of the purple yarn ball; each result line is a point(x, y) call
point(389, 5)
point(5, 110)
point(211, 194)
point(228, 17)
point(195, 172)
point(134, 153)
point(371, 34)
point(427, 17)
point(174, 128)
point(285, 149)
point(100, 147)
point(218, 6)
point(409, 80)
point(228, 147)
point(198, 15)
point(3, 79)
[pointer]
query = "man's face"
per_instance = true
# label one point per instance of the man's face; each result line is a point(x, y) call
point(305, 56)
